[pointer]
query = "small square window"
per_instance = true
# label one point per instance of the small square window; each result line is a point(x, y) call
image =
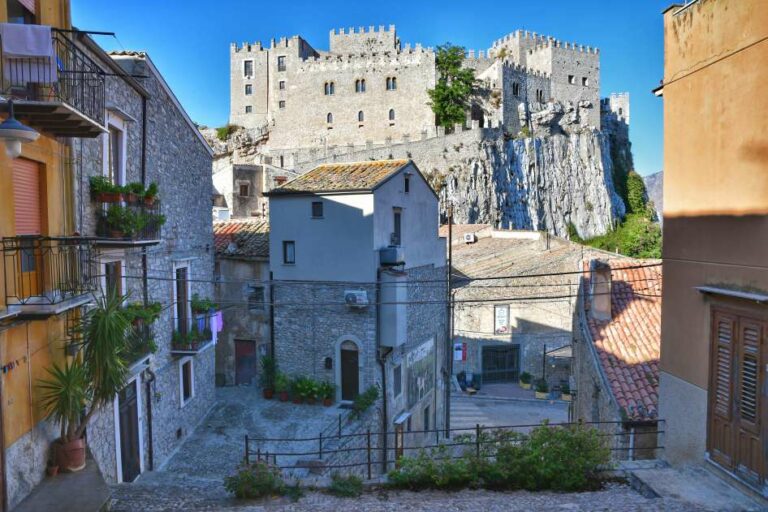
point(407, 184)
point(244, 190)
point(281, 85)
point(248, 68)
point(248, 109)
point(584, 81)
point(571, 79)
point(317, 209)
point(248, 89)
point(289, 252)
point(281, 63)
point(255, 298)
point(397, 380)
point(281, 103)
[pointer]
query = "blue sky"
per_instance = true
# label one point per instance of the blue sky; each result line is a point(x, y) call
point(189, 41)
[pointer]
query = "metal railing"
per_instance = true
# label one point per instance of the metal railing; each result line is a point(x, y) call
point(70, 76)
point(366, 453)
point(46, 270)
point(129, 222)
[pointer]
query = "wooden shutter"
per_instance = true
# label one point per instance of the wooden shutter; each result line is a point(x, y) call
point(749, 371)
point(26, 197)
point(720, 439)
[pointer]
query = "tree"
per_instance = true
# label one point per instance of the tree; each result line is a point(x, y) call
point(450, 97)
point(637, 197)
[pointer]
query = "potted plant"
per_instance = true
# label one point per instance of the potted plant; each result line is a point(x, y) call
point(525, 380)
point(200, 306)
point(565, 392)
point(282, 383)
point(132, 192)
point(296, 387)
point(117, 218)
point(104, 191)
point(72, 393)
point(268, 375)
point(542, 389)
point(150, 194)
point(327, 390)
point(310, 391)
point(141, 315)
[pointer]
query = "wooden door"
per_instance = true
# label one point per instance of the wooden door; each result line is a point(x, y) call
point(246, 361)
point(129, 432)
point(350, 385)
point(737, 396)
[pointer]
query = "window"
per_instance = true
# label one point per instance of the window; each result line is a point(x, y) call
point(360, 85)
point(113, 279)
point(391, 114)
point(255, 298)
point(289, 252)
point(182, 299)
point(329, 118)
point(397, 380)
point(515, 89)
point(244, 190)
point(397, 221)
point(391, 83)
point(407, 183)
point(20, 13)
point(115, 153)
point(281, 104)
point(248, 109)
point(248, 89)
point(360, 117)
point(248, 68)
point(281, 85)
point(571, 79)
point(186, 381)
point(330, 88)
point(584, 81)
point(281, 63)
point(317, 209)
point(426, 418)
point(539, 96)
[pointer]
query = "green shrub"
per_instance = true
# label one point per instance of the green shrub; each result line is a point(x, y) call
point(350, 486)
point(256, 480)
point(542, 386)
point(434, 469)
point(638, 236)
point(637, 197)
point(268, 372)
point(525, 378)
point(202, 305)
point(225, 131)
point(525, 132)
point(365, 400)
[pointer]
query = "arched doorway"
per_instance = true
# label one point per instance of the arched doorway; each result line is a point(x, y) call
point(350, 373)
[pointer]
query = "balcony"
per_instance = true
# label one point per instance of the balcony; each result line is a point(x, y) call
point(46, 276)
point(201, 334)
point(128, 224)
point(64, 98)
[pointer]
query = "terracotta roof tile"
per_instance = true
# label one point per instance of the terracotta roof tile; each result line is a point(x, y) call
point(342, 177)
point(628, 345)
point(247, 238)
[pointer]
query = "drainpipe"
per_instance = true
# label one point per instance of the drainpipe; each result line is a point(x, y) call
point(148, 392)
point(145, 283)
point(381, 358)
point(272, 316)
point(448, 327)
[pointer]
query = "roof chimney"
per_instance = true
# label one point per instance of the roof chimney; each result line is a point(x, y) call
point(600, 290)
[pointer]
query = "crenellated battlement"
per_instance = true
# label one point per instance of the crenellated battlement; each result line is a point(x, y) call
point(371, 29)
point(539, 41)
point(384, 62)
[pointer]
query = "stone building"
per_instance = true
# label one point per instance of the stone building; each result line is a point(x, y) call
point(242, 291)
point(359, 287)
point(497, 340)
point(368, 88)
point(616, 341)
point(150, 139)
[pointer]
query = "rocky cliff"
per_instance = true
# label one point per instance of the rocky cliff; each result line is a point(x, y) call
point(654, 185)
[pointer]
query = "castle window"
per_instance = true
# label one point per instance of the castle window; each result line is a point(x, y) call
point(248, 68)
point(330, 88)
point(360, 117)
point(571, 79)
point(515, 89)
point(539, 96)
point(391, 83)
point(281, 63)
point(360, 85)
point(244, 190)
point(391, 114)
point(248, 109)
point(329, 118)
point(281, 85)
point(281, 104)
point(248, 89)
point(584, 81)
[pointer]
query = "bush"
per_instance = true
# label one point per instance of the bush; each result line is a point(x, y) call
point(256, 480)
point(350, 486)
point(638, 236)
point(542, 386)
point(525, 378)
point(365, 400)
point(434, 469)
point(225, 131)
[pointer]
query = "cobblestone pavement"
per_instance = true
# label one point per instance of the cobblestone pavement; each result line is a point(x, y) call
point(466, 411)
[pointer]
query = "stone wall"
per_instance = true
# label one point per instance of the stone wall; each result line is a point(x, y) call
point(27, 459)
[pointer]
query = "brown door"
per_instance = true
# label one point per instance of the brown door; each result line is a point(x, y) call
point(129, 433)
point(737, 397)
point(350, 386)
point(246, 361)
point(27, 222)
point(182, 301)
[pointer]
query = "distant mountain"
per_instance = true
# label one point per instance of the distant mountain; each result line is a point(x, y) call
point(654, 184)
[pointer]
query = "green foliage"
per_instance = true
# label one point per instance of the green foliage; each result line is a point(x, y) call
point(258, 480)
point(525, 378)
point(565, 388)
point(638, 236)
point(450, 97)
point(573, 233)
point(130, 221)
point(326, 390)
point(64, 395)
point(525, 132)
point(225, 131)
point(191, 339)
point(542, 386)
point(305, 387)
point(102, 185)
point(637, 197)
point(138, 311)
point(365, 400)
point(151, 191)
point(202, 305)
point(549, 458)
point(133, 188)
point(282, 382)
point(350, 486)
point(268, 372)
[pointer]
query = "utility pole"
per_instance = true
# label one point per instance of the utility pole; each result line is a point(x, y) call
point(448, 323)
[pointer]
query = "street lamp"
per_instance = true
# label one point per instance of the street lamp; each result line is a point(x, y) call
point(14, 133)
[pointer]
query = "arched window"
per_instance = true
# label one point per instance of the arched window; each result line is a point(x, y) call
point(329, 118)
point(391, 114)
point(515, 89)
point(391, 83)
point(360, 117)
point(360, 85)
point(326, 90)
point(332, 88)
point(394, 83)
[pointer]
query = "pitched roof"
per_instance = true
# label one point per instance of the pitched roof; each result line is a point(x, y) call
point(459, 230)
point(342, 177)
point(628, 345)
point(245, 238)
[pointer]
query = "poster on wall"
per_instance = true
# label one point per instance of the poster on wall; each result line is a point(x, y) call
point(420, 363)
point(501, 319)
point(459, 351)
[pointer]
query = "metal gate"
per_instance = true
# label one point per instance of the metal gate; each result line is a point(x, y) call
point(501, 363)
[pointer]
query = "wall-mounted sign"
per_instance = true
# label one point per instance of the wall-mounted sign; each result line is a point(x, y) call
point(420, 363)
point(501, 319)
point(459, 351)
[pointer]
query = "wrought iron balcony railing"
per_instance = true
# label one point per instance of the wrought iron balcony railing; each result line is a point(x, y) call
point(63, 95)
point(129, 224)
point(41, 272)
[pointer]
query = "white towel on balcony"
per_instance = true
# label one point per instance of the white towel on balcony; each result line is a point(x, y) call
point(28, 55)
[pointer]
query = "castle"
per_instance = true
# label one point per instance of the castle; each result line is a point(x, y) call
point(369, 88)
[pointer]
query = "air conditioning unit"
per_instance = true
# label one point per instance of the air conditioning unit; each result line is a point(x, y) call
point(356, 298)
point(391, 256)
point(470, 238)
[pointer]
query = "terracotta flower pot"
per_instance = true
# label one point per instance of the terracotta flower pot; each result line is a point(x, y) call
point(70, 456)
point(328, 402)
point(130, 197)
point(149, 201)
point(109, 197)
point(116, 234)
point(268, 393)
point(52, 470)
point(283, 395)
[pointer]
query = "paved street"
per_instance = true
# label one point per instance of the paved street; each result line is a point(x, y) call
point(468, 411)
